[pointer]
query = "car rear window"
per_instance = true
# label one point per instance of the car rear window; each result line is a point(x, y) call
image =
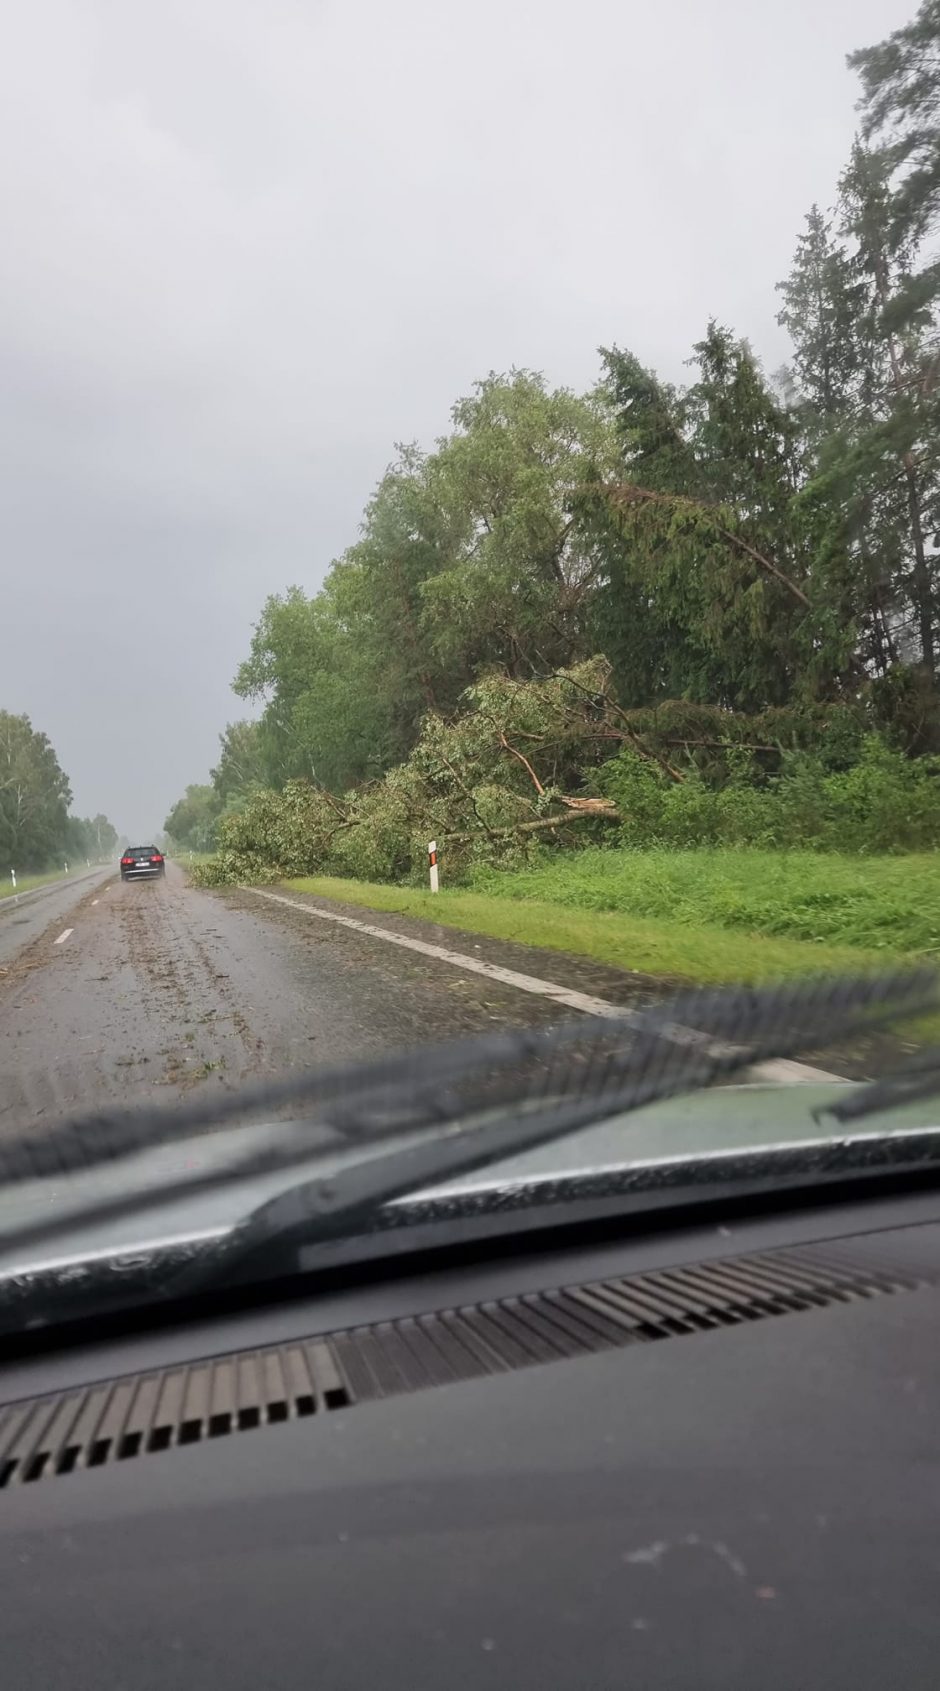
point(140, 851)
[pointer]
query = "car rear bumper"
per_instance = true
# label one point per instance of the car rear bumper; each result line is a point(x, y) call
point(141, 874)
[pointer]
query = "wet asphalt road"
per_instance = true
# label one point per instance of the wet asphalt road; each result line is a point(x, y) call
point(161, 990)
point(23, 918)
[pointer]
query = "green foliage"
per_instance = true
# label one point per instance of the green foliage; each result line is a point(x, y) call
point(193, 819)
point(860, 304)
point(874, 903)
point(821, 305)
point(709, 739)
point(513, 586)
point(882, 802)
point(901, 101)
point(524, 769)
point(466, 783)
point(710, 591)
point(36, 830)
point(889, 442)
point(905, 706)
point(321, 718)
point(91, 837)
point(241, 764)
point(34, 797)
point(469, 558)
point(284, 833)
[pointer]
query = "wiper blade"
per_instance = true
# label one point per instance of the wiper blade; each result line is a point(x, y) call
point(918, 1080)
point(558, 1080)
point(671, 1056)
point(755, 1022)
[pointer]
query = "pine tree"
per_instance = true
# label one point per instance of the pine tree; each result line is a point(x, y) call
point(709, 592)
point(894, 440)
point(821, 311)
point(901, 105)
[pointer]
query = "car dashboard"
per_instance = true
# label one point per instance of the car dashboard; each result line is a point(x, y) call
point(699, 1456)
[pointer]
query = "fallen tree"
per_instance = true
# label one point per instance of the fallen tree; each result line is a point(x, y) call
point(520, 765)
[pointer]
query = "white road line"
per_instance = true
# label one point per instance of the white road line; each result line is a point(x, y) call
point(63, 936)
point(782, 1071)
point(474, 965)
point(786, 1072)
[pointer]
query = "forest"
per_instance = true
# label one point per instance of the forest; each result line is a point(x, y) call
point(651, 615)
point(36, 830)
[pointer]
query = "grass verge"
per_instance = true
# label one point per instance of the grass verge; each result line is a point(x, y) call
point(882, 904)
point(27, 883)
point(671, 950)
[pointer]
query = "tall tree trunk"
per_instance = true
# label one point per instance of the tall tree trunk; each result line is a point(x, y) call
point(922, 593)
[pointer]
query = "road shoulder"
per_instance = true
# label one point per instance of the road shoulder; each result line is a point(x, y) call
point(604, 986)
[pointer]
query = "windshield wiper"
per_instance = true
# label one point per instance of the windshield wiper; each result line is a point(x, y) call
point(474, 1102)
point(771, 1023)
point(918, 1080)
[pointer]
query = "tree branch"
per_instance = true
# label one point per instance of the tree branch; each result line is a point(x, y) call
point(627, 733)
point(542, 822)
point(628, 494)
point(524, 761)
point(467, 792)
point(590, 806)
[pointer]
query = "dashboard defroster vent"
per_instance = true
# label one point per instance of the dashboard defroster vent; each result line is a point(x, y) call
point(137, 1415)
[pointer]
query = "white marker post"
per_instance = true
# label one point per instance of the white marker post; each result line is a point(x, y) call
point(66, 868)
point(432, 865)
point(13, 876)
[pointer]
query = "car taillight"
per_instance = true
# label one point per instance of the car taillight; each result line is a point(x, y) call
point(156, 858)
point(125, 861)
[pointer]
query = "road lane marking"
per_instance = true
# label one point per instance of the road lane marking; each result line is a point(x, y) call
point(63, 936)
point(474, 965)
point(781, 1071)
point(786, 1072)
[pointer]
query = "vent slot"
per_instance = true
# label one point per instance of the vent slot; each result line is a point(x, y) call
point(122, 1420)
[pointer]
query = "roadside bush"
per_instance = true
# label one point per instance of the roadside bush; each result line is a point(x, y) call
point(885, 803)
point(275, 834)
point(229, 868)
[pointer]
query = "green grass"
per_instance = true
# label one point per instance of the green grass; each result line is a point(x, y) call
point(880, 904)
point(26, 883)
point(680, 950)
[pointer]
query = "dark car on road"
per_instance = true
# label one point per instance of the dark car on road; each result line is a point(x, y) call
point(142, 861)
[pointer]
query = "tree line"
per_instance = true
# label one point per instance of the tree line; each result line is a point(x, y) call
point(744, 566)
point(36, 830)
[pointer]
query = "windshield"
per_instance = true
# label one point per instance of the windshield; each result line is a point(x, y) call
point(497, 562)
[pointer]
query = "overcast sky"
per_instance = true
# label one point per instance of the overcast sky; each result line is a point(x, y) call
point(249, 244)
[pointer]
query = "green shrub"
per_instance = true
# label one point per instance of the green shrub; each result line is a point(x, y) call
point(886, 802)
point(275, 834)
